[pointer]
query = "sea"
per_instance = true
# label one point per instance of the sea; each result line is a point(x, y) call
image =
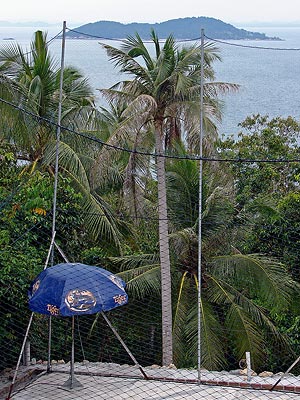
point(268, 72)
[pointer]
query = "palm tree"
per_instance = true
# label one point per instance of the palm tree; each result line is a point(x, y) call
point(31, 80)
point(164, 95)
point(239, 291)
point(35, 77)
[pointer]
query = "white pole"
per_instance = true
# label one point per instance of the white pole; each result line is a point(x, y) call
point(249, 369)
point(20, 357)
point(200, 204)
point(72, 354)
point(56, 172)
point(58, 125)
point(285, 373)
point(27, 330)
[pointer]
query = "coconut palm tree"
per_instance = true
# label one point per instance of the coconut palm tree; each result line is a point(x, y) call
point(239, 291)
point(163, 94)
point(31, 80)
point(35, 77)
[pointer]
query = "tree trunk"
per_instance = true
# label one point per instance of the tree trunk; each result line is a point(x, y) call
point(166, 295)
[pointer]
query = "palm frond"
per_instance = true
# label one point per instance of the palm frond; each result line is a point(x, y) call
point(140, 272)
point(213, 345)
point(244, 318)
point(69, 160)
point(142, 282)
point(100, 220)
point(248, 335)
point(262, 276)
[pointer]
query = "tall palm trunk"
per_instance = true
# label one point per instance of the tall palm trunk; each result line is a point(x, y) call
point(166, 295)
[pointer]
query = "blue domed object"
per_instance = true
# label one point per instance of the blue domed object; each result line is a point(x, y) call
point(69, 289)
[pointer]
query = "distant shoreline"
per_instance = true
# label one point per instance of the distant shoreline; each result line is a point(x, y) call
point(271, 39)
point(188, 28)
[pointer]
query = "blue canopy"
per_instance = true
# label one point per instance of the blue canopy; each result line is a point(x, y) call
point(76, 289)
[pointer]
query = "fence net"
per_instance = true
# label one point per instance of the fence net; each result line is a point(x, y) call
point(109, 215)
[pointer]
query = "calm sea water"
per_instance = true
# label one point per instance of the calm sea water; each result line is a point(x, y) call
point(269, 79)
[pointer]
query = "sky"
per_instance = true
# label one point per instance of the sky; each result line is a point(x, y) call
point(78, 12)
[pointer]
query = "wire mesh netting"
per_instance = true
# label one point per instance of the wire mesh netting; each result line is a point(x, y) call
point(204, 262)
point(249, 328)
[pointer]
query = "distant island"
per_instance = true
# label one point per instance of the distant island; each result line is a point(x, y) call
point(181, 28)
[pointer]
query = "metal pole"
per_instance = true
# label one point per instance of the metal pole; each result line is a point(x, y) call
point(20, 357)
point(200, 203)
point(286, 372)
point(58, 126)
point(72, 382)
point(61, 252)
point(56, 173)
point(124, 345)
point(28, 328)
point(249, 369)
point(72, 354)
point(26, 354)
point(50, 319)
point(50, 250)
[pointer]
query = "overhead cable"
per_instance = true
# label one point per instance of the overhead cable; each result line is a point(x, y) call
point(250, 46)
point(148, 153)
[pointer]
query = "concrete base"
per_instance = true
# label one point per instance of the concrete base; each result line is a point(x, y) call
point(71, 384)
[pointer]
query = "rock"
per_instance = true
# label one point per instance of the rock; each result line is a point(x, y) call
point(279, 374)
point(265, 374)
point(60, 361)
point(171, 366)
point(245, 372)
point(53, 362)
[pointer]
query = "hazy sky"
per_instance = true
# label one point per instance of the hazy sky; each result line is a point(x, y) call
point(82, 11)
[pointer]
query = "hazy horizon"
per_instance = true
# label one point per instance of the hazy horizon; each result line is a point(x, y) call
point(77, 13)
point(34, 23)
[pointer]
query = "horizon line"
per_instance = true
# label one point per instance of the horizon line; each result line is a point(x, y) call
point(29, 23)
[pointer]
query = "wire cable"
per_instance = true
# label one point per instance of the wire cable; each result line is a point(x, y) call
point(48, 42)
point(188, 40)
point(252, 47)
point(147, 153)
point(122, 40)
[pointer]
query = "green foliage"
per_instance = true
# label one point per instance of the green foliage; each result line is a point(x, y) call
point(264, 139)
point(107, 210)
point(240, 292)
point(25, 235)
point(278, 234)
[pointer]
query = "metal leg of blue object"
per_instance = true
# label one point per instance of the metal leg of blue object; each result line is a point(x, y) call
point(124, 345)
point(286, 372)
point(72, 382)
point(19, 360)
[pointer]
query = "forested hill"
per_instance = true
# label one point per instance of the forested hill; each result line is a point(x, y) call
point(182, 28)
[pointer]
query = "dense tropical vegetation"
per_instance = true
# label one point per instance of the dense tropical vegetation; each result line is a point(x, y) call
point(136, 211)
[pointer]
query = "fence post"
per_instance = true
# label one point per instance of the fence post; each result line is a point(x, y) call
point(248, 362)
